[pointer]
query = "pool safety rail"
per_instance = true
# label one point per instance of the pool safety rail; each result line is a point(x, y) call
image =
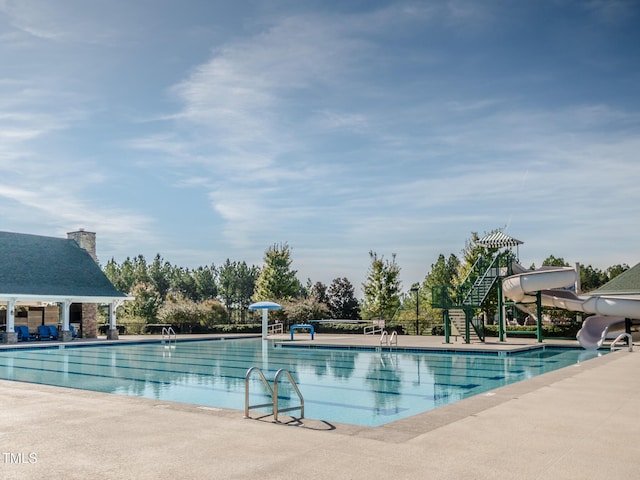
point(273, 391)
point(376, 327)
point(622, 336)
point(275, 328)
point(169, 334)
point(389, 341)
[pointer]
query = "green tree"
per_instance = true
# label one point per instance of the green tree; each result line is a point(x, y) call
point(382, 288)
point(228, 285)
point(183, 283)
point(441, 278)
point(443, 273)
point(318, 292)
point(591, 278)
point(160, 275)
point(146, 304)
point(206, 287)
point(236, 285)
point(552, 261)
point(305, 309)
point(342, 301)
point(247, 279)
point(277, 281)
point(615, 270)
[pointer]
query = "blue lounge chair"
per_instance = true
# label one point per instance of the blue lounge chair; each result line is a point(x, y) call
point(23, 333)
point(74, 334)
point(53, 331)
point(44, 333)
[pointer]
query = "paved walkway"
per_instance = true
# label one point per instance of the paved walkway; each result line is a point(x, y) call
point(580, 422)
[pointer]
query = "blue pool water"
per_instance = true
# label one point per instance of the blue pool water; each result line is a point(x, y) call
point(361, 387)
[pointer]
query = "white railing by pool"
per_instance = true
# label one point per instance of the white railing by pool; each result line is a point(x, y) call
point(275, 328)
point(372, 329)
point(387, 340)
point(620, 337)
point(169, 333)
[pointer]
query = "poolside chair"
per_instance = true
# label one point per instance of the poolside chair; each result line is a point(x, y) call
point(44, 333)
point(74, 333)
point(23, 333)
point(53, 331)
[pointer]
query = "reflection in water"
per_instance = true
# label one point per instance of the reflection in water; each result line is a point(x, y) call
point(383, 378)
point(342, 385)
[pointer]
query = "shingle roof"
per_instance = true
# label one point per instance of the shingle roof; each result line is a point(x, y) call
point(41, 266)
point(627, 283)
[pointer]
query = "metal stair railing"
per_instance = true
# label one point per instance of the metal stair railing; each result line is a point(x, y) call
point(622, 336)
point(294, 385)
point(389, 340)
point(168, 333)
point(483, 282)
point(275, 410)
point(247, 376)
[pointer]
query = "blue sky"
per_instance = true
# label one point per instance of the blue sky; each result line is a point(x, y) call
point(207, 130)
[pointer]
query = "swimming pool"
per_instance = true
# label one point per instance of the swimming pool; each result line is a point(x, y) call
point(355, 386)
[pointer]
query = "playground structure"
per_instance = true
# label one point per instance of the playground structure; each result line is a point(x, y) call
point(529, 291)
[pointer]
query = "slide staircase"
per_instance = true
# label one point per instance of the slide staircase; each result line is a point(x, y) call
point(472, 292)
point(481, 278)
point(457, 317)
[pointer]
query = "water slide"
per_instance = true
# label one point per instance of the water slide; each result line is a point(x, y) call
point(608, 312)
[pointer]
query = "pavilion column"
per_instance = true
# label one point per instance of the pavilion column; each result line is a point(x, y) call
point(65, 334)
point(112, 333)
point(10, 336)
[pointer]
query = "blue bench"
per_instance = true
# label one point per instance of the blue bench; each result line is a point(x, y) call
point(301, 326)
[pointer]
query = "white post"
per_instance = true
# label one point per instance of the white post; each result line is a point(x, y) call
point(66, 306)
point(11, 315)
point(65, 334)
point(265, 322)
point(112, 334)
point(10, 335)
point(112, 316)
point(578, 283)
point(578, 290)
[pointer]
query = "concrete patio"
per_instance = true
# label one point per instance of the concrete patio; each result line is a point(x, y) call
point(578, 422)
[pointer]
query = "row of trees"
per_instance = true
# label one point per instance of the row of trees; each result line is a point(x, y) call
point(211, 295)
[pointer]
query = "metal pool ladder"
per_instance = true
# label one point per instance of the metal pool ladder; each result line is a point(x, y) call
point(273, 391)
point(626, 336)
point(168, 333)
point(387, 340)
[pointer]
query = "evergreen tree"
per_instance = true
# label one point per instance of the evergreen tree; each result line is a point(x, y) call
point(382, 288)
point(342, 301)
point(277, 281)
point(159, 275)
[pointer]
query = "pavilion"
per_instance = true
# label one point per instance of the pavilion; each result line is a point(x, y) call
point(52, 280)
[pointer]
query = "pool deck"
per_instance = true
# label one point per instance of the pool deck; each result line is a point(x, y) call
point(580, 422)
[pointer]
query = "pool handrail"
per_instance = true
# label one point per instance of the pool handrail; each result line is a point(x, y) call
point(168, 332)
point(389, 340)
point(248, 407)
point(275, 328)
point(626, 336)
point(275, 410)
point(372, 329)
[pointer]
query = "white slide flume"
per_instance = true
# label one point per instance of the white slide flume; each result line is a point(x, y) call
point(609, 311)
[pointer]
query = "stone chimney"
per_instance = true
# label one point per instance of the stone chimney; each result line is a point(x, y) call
point(87, 241)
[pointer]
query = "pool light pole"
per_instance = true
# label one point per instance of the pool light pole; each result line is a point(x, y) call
point(416, 289)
